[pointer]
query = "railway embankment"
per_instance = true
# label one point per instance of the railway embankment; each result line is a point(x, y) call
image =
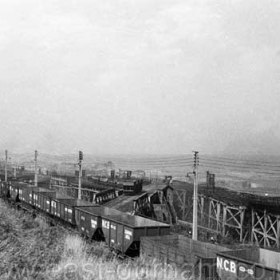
point(28, 247)
point(31, 249)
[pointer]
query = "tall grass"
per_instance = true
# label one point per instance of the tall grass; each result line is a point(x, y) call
point(81, 260)
point(30, 249)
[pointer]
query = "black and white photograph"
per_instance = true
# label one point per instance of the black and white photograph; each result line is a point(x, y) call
point(140, 139)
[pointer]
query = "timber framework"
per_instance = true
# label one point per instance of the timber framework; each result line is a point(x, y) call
point(242, 217)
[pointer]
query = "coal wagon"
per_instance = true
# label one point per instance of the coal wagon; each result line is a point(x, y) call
point(89, 220)
point(121, 231)
point(4, 191)
point(250, 264)
point(14, 192)
point(25, 192)
point(42, 198)
point(64, 208)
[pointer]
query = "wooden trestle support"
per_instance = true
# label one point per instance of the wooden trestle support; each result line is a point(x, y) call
point(265, 229)
point(213, 214)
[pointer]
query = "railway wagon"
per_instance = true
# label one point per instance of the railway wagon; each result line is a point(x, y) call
point(25, 192)
point(13, 192)
point(55, 206)
point(249, 264)
point(89, 221)
point(4, 189)
point(65, 208)
point(122, 232)
point(42, 198)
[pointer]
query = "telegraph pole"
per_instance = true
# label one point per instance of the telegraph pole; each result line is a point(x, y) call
point(6, 166)
point(36, 167)
point(80, 175)
point(195, 195)
point(15, 171)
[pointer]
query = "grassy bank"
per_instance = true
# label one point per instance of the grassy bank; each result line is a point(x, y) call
point(30, 249)
point(83, 261)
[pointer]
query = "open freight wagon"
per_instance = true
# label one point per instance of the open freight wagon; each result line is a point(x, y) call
point(89, 220)
point(65, 208)
point(250, 264)
point(55, 209)
point(42, 198)
point(25, 192)
point(35, 196)
point(14, 195)
point(121, 231)
point(4, 191)
point(11, 191)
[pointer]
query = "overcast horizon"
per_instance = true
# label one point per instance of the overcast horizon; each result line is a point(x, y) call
point(140, 77)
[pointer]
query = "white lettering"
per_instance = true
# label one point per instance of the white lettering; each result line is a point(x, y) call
point(250, 271)
point(127, 236)
point(128, 232)
point(105, 224)
point(219, 263)
point(226, 263)
point(232, 267)
point(242, 269)
point(93, 223)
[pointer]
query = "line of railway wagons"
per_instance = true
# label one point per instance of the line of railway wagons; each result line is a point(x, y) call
point(121, 231)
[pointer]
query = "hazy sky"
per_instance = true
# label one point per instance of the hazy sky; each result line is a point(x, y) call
point(140, 76)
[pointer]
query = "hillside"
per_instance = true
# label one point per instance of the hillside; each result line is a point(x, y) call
point(30, 249)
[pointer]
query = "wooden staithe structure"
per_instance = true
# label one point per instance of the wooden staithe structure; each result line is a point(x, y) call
point(265, 229)
point(213, 214)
